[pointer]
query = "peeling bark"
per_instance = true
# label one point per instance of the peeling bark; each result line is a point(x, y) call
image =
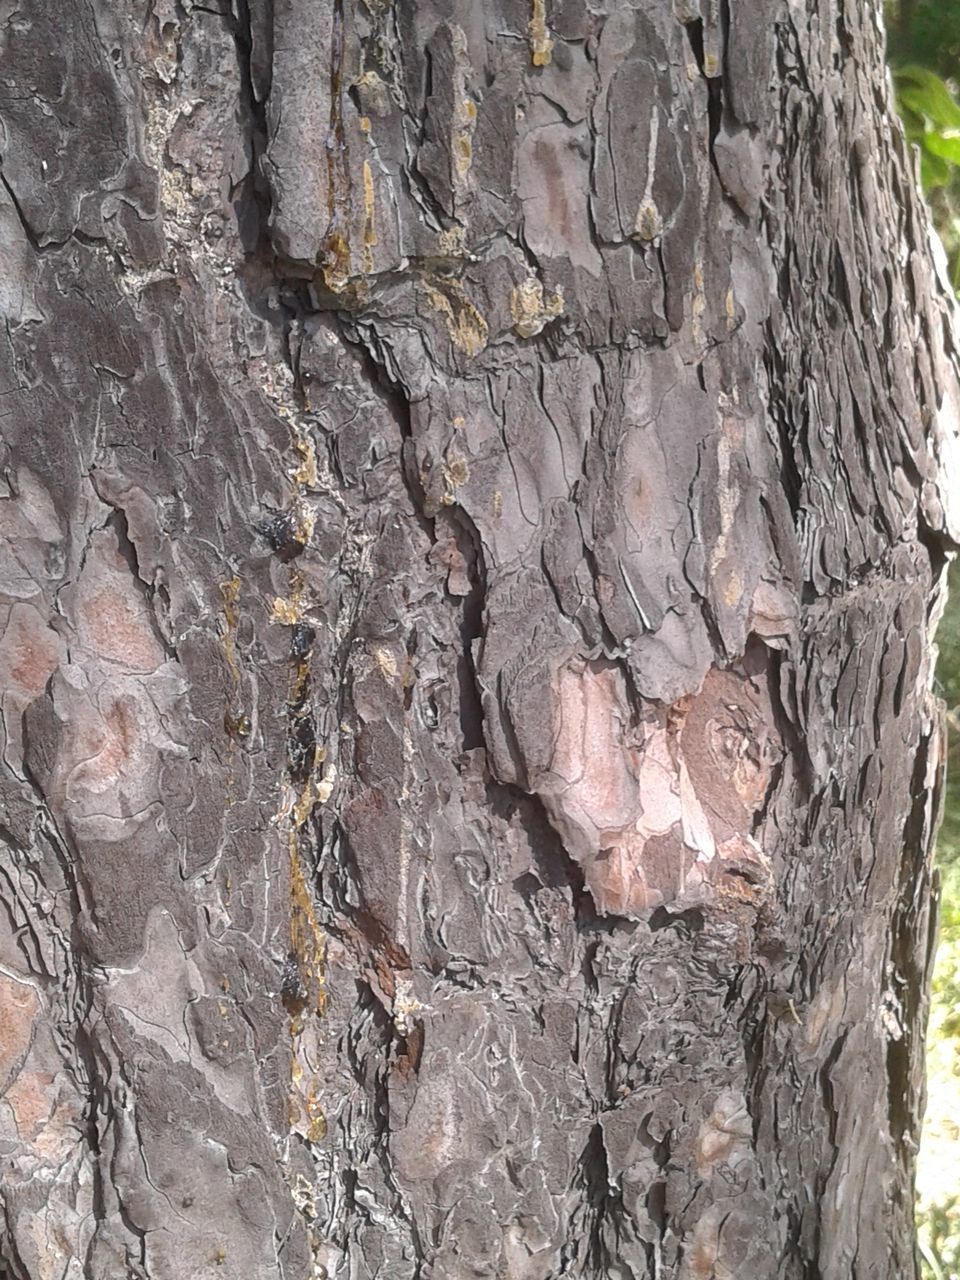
point(474, 510)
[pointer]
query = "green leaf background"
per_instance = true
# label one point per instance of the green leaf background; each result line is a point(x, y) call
point(924, 53)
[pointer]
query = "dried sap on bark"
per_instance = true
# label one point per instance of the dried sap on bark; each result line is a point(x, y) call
point(660, 808)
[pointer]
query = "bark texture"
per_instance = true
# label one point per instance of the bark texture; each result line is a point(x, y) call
point(473, 512)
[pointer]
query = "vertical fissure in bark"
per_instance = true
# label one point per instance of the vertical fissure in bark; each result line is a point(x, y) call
point(595, 1174)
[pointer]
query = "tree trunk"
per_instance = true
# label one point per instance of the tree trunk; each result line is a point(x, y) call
point(473, 527)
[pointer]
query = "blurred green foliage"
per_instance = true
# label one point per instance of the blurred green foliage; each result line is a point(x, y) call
point(938, 1181)
point(931, 120)
point(948, 687)
point(926, 32)
point(924, 53)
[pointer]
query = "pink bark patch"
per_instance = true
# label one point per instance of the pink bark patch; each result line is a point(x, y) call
point(110, 614)
point(19, 1007)
point(29, 652)
point(658, 809)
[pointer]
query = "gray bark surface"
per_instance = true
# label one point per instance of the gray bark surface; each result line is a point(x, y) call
point(473, 517)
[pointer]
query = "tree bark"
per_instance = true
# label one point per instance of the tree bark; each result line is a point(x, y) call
point(474, 519)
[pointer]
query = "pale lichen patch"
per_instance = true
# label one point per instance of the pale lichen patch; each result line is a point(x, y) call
point(541, 46)
point(730, 308)
point(405, 1006)
point(464, 121)
point(286, 612)
point(308, 941)
point(456, 473)
point(452, 241)
point(386, 660)
point(306, 473)
point(369, 224)
point(531, 310)
point(649, 223)
point(335, 261)
point(466, 326)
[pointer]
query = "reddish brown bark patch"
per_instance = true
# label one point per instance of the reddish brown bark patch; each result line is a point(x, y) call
point(661, 809)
